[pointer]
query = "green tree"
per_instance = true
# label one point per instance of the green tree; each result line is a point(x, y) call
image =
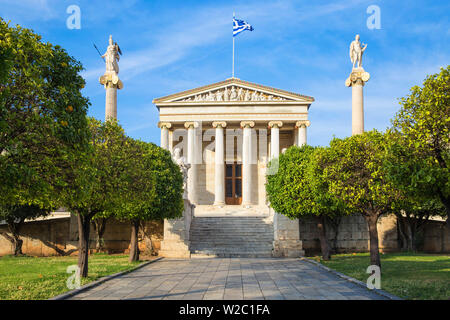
point(298, 190)
point(42, 122)
point(153, 187)
point(420, 155)
point(412, 215)
point(408, 171)
point(99, 223)
point(93, 182)
point(355, 173)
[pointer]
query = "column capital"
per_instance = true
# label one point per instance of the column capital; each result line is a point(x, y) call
point(277, 124)
point(109, 80)
point(357, 77)
point(217, 124)
point(161, 124)
point(245, 124)
point(302, 123)
point(193, 124)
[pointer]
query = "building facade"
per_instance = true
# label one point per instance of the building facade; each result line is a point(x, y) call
point(228, 132)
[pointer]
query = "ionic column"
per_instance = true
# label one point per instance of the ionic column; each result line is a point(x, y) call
point(275, 138)
point(219, 174)
point(111, 82)
point(301, 127)
point(358, 77)
point(247, 162)
point(165, 126)
point(191, 157)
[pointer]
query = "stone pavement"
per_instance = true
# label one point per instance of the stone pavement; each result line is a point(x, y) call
point(228, 279)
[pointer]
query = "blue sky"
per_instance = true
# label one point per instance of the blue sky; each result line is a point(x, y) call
point(300, 46)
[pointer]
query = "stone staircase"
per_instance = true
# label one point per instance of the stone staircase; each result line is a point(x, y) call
point(236, 236)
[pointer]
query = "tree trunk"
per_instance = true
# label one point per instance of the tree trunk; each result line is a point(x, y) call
point(100, 227)
point(325, 247)
point(334, 223)
point(401, 231)
point(409, 237)
point(84, 224)
point(14, 229)
point(134, 245)
point(446, 202)
point(372, 219)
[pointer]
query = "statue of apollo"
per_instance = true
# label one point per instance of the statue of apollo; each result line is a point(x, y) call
point(356, 52)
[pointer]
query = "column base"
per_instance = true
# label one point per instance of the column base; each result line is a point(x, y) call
point(288, 249)
point(176, 234)
point(175, 249)
point(287, 241)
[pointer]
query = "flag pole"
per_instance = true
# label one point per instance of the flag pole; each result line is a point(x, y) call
point(232, 73)
point(233, 58)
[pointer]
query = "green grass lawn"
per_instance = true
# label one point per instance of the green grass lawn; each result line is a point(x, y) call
point(407, 275)
point(30, 278)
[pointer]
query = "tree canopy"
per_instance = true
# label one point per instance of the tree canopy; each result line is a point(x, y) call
point(354, 170)
point(42, 122)
point(298, 190)
point(420, 146)
point(153, 186)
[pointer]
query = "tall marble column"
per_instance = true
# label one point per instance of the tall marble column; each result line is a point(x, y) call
point(275, 138)
point(219, 169)
point(110, 79)
point(191, 159)
point(247, 163)
point(165, 126)
point(111, 83)
point(301, 127)
point(358, 77)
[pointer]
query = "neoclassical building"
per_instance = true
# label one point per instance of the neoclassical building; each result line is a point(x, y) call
point(229, 131)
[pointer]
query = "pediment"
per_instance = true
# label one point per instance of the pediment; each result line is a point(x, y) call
point(234, 91)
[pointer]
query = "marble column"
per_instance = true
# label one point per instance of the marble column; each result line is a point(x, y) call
point(191, 159)
point(247, 163)
point(112, 83)
point(358, 77)
point(219, 182)
point(165, 126)
point(301, 127)
point(275, 138)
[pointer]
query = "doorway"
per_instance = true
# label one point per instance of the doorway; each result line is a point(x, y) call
point(233, 184)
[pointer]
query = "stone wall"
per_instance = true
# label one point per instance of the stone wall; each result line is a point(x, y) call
point(436, 237)
point(60, 237)
point(353, 235)
point(42, 238)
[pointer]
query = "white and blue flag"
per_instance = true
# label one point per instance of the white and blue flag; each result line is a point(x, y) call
point(239, 26)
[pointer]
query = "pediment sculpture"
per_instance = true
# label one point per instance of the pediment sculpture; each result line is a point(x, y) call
point(233, 93)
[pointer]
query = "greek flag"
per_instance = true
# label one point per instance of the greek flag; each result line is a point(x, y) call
point(239, 26)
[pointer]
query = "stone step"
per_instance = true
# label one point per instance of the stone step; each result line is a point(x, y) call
point(228, 247)
point(231, 225)
point(230, 234)
point(231, 237)
point(239, 240)
point(205, 245)
point(237, 254)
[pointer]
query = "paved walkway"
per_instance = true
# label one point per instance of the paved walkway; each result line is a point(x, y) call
point(229, 279)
